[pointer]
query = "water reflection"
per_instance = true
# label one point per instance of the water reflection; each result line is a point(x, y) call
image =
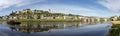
point(29, 27)
point(56, 29)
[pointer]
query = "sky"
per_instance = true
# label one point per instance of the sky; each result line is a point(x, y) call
point(100, 8)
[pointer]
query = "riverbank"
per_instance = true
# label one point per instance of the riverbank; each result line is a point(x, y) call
point(43, 20)
point(115, 22)
point(114, 31)
point(2, 20)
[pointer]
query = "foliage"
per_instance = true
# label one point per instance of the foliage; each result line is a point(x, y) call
point(0, 17)
point(118, 18)
point(115, 30)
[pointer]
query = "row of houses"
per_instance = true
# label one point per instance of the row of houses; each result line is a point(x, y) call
point(115, 18)
point(40, 14)
point(82, 18)
point(42, 17)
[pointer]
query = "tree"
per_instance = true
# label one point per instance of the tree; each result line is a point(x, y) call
point(70, 14)
point(0, 17)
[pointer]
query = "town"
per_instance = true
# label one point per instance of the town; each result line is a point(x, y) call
point(40, 15)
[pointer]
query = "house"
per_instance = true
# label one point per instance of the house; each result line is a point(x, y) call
point(12, 17)
point(5, 17)
point(46, 17)
point(59, 17)
point(71, 17)
point(114, 18)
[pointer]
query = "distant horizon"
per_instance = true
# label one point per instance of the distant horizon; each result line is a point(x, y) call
point(100, 8)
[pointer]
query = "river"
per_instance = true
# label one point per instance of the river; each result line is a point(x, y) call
point(55, 29)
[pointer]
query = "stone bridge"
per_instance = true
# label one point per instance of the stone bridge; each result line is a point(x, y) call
point(89, 19)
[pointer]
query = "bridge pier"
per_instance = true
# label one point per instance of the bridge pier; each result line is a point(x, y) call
point(91, 19)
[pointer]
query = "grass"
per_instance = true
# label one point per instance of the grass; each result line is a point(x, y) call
point(115, 30)
point(2, 20)
point(118, 19)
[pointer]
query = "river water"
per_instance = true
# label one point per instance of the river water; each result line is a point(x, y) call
point(55, 29)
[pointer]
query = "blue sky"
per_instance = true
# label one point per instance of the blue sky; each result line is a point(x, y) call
point(101, 8)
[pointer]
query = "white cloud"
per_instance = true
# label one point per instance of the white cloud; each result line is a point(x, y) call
point(111, 4)
point(16, 3)
point(8, 3)
point(61, 8)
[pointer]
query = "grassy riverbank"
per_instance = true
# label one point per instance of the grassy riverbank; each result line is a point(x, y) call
point(44, 20)
point(2, 20)
point(115, 30)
